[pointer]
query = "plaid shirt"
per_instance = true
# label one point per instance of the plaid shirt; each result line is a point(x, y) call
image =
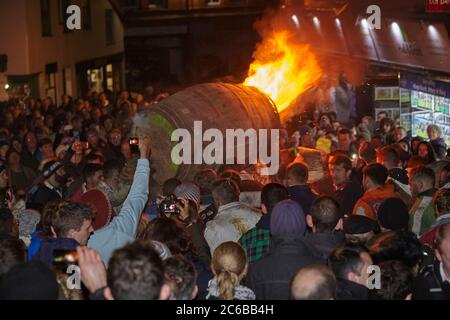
point(256, 243)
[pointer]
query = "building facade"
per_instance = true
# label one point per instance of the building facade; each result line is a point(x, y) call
point(45, 58)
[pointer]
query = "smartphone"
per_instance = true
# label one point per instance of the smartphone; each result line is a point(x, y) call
point(134, 141)
point(62, 259)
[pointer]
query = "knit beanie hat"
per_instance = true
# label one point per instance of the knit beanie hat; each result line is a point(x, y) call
point(189, 191)
point(393, 214)
point(287, 217)
point(162, 249)
point(357, 224)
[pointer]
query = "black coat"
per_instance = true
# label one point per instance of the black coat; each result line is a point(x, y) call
point(270, 277)
point(348, 196)
point(399, 174)
point(429, 285)
point(325, 242)
point(439, 147)
point(303, 196)
point(348, 290)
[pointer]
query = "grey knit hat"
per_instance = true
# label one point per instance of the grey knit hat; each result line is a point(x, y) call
point(28, 220)
point(162, 250)
point(189, 191)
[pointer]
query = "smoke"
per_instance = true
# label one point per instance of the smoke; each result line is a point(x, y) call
point(298, 24)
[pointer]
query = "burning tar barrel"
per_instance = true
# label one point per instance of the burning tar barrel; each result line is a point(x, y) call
point(217, 106)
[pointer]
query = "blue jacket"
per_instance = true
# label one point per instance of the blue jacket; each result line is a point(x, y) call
point(49, 245)
point(122, 229)
point(35, 244)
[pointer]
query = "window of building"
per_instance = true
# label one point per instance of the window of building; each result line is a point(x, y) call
point(50, 80)
point(213, 2)
point(157, 4)
point(86, 17)
point(46, 21)
point(109, 27)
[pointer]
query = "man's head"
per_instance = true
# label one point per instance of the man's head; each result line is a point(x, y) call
point(181, 276)
point(169, 186)
point(204, 179)
point(386, 125)
point(225, 191)
point(388, 157)
point(400, 133)
point(297, 174)
point(93, 175)
point(111, 172)
point(46, 147)
point(115, 137)
point(381, 115)
point(31, 141)
point(306, 138)
point(421, 179)
point(271, 195)
point(350, 262)
point(324, 215)
point(315, 282)
point(57, 178)
point(443, 247)
point(442, 202)
point(73, 220)
point(136, 272)
point(344, 139)
point(374, 176)
point(340, 169)
point(393, 215)
point(434, 132)
point(398, 245)
point(8, 224)
point(12, 252)
point(396, 281)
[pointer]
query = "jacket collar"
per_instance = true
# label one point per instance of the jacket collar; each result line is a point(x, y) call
point(229, 206)
point(427, 193)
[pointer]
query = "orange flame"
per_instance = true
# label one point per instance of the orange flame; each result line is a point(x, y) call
point(283, 70)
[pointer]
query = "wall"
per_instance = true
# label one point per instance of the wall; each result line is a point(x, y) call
point(28, 52)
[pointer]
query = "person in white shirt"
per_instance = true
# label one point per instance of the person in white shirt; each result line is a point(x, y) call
point(233, 218)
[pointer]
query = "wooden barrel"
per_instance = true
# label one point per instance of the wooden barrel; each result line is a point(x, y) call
point(220, 106)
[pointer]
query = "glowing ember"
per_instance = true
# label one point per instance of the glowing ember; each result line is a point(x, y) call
point(283, 70)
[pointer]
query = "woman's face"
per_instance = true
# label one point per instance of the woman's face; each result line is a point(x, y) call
point(423, 151)
point(31, 141)
point(3, 151)
point(17, 146)
point(108, 125)
point(14, 158)
point(414, 144)
point(386, 128)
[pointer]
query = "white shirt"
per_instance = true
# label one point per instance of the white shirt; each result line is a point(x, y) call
point(443, 274)
point(232, 221)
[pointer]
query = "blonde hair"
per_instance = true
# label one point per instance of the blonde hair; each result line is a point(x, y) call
point(229, 263)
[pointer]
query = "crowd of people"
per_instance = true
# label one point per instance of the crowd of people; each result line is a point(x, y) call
point(374, 224)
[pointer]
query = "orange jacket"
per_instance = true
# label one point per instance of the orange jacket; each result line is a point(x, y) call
point(369, 203)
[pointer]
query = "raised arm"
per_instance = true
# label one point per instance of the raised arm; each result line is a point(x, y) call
point(128, 218)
